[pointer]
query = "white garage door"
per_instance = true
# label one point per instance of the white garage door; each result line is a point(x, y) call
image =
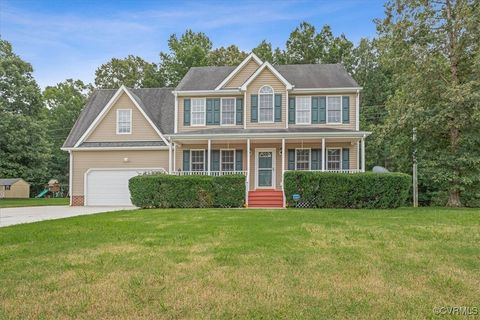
point(109, 187)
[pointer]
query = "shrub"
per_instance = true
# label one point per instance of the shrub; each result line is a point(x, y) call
point(168, 191)
point(338, 190)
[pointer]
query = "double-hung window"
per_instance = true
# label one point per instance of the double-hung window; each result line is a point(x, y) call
point(303, 110)
point(227, 158)
point(265, 104)
point(334, 109)
point(198, 111)
point(228, 111)
point(124, 121)
point(197, 160)
point(302, 159)
point(334, 159)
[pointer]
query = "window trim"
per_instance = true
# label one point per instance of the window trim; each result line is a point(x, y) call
point(234, 159)
point(191, 160)
point(327, 111)
point(273, 103)
point(204, 112)
point(327, 161)
point(8, 187)
point(310, 110)
point(309, 158)
point(234, 112)
point(118, 118)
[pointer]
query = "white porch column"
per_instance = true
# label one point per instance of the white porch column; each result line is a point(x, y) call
point(323, 154)
point(170, 158)
point(283, 170)
point(247, 180)
point(363, 154)
point(209, 155)
point(174, 158)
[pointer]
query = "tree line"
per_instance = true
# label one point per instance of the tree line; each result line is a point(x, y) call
point(421, 71)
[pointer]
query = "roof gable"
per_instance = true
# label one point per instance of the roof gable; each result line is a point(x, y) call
point(267, 65)
point(242, 72)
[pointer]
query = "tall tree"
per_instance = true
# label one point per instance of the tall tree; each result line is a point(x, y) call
point(64, 101)
point(264, 51)
point(432, 48)
point(19, 92)
point(24, 146)
point(301, 46)
point(190, 50)
point(132, 71)
point(229, 56)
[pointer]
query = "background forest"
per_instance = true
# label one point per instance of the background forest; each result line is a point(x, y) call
point(422, 70)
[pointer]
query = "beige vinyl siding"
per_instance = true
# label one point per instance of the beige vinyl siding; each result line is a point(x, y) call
point(243, 75)
point(353, 114)
point(107, 128)
point(19, 189)
point(266, 77)
point(84, 160)
point(183, 128)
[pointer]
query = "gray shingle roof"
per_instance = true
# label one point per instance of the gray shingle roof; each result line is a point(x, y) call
point(158, 104)
point(122, 144)
point(204, 78)
point(8, 182)
point(299, 75)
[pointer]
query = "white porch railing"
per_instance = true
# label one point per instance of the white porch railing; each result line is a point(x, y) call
point(207, 173)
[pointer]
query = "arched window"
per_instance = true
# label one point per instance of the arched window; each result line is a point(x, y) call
point(265, 104)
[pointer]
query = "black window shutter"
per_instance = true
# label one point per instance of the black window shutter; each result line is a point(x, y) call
point(186, 112)
point(291, 159)
point(345, 158)
point(216, 111)
point(238, 160)
point(315, 109)
point(322, 109)
point(291, 110)
point(215, 159)
point(239, 114)
point(346, 109)
point(316, 162)
point(186, 160)
point(209, 115)
point(254, 108)
point(278, 108)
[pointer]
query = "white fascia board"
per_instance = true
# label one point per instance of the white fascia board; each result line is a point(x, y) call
point(267, 64)
point(326, 90)
point(114, 148)
point(225, 136)
point(238, 68)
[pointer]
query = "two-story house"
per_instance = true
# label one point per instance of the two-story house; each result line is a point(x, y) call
point(254, 119)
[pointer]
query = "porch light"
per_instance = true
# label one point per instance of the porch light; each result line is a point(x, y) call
point(125, 159)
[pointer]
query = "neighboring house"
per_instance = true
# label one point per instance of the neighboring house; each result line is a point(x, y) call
point(255, 119)
point(14, 188)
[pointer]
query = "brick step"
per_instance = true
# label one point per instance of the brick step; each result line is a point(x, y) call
point(265, 201)
point(265, 205)
point(265, 196)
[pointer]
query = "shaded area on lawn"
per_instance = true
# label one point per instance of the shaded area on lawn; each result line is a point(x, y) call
point(269, 264)
point(33, 202)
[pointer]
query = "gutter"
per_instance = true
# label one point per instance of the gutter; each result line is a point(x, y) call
point(114, 148)
point(264, 135)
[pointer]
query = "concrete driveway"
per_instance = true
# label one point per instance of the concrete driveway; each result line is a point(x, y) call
point(12, 216)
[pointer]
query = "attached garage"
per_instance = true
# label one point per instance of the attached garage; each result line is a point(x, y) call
point(109, 187)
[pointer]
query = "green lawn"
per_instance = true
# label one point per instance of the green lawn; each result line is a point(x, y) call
point(263, 264)
point(33, 202)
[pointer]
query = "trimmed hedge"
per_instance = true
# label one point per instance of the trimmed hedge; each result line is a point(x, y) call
point(168, 191)
point(358, 190)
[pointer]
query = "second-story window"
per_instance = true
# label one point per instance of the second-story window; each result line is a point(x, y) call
point(265, 104)
point(303, 110)
point(334, 109)
point(124, 121)
point(228, 110)
point(198, 112)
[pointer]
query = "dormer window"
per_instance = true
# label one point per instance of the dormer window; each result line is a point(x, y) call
point(124, 121)
point(265, 104)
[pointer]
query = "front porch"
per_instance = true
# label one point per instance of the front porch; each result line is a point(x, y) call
point(264, 161)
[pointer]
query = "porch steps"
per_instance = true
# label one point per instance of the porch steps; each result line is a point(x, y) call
point(265, 199)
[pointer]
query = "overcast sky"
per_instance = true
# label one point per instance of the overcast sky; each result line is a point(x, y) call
point(70, 39)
